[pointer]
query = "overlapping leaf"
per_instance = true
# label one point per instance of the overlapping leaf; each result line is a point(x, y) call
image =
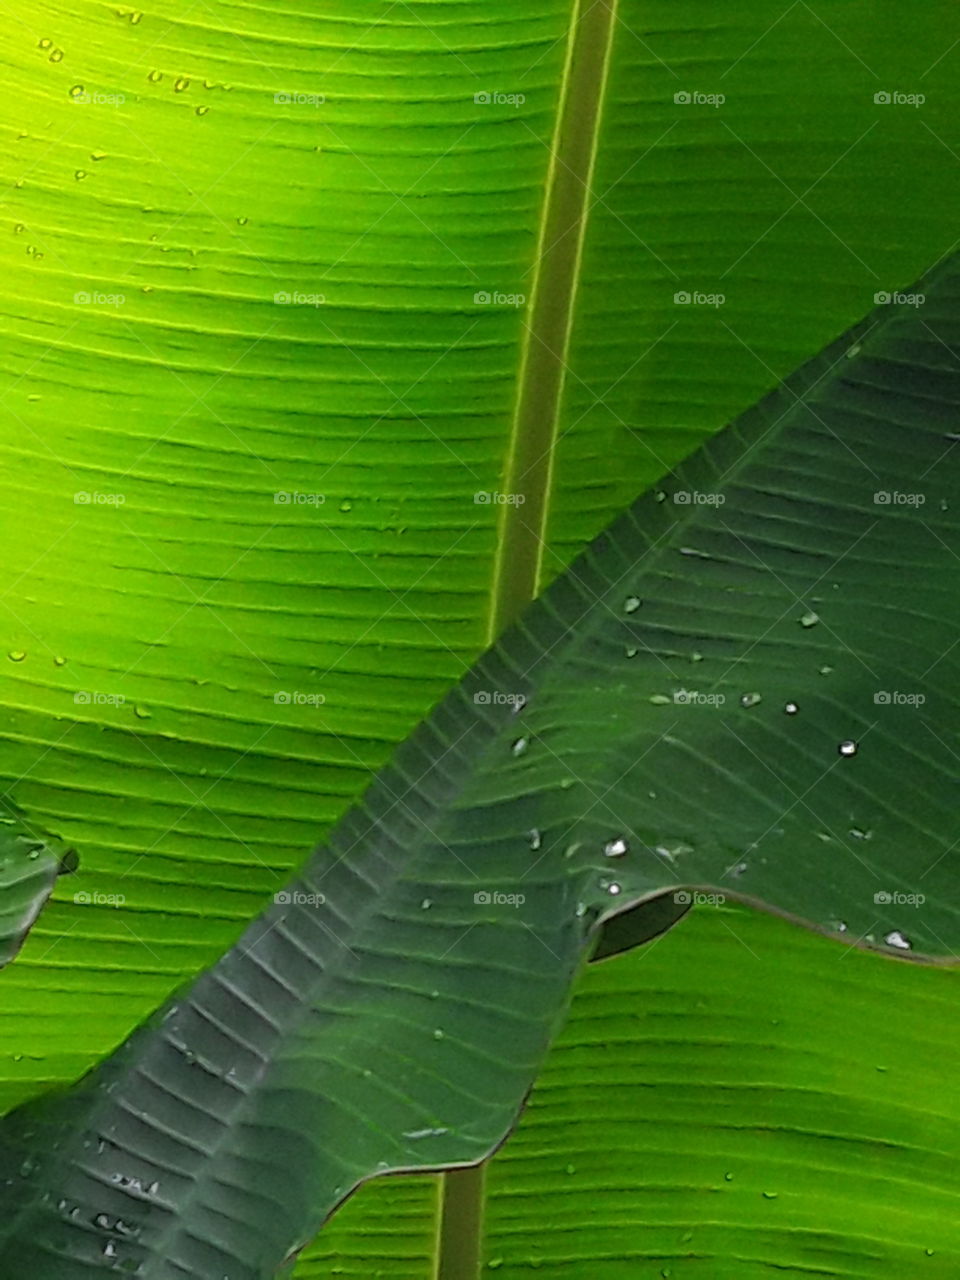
point(391, 1009)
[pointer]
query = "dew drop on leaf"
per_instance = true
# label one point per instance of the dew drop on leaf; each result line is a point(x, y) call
point(848, 748)
point(896, 939)
point(750, 699)
point(16, 655)
point(520, 746)
point(631, 604)
point(810, 619)
point(791, 708)
point(616, 848)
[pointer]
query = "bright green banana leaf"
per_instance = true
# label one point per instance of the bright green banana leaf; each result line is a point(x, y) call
point(391, 1009)
point(798, 1117)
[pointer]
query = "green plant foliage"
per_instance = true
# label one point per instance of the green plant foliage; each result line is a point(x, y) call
point(390, 1010)
point(206, 676)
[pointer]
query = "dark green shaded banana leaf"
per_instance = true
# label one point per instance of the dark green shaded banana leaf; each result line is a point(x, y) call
point(29, 866)
point(390, 1011)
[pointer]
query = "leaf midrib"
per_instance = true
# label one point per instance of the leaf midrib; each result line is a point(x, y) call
point(521, 534)
point(546, 341)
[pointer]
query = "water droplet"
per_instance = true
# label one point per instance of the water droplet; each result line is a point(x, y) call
point(728, 1177)
point(98, 155)
point(826, 671)
point(16, 655)
point(155, 77)
point(581, 910)
point(242, 222)
point(613, 889)
point(57, 55)
point(840, 926)
point(660, 700)
point(631, 604)
point(791, 708)
point(520, 746)
point(859, 834)
point(44, 43)
point(750, 699)
point(142, 712)
point(181, 84)
point(696, 657)
point(136, 17)
point(76, 91)
point(346, 505)
point(896, 939)
point(536, 839)
point(80, 174)
point(771, 1195)
point(615, 848)
point(810, 619)
point(202, 111)
point(848, 748)
point(853, 351)
point(426, 904)
point(438, 1034)
point(632, 651)
point(19, 228)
